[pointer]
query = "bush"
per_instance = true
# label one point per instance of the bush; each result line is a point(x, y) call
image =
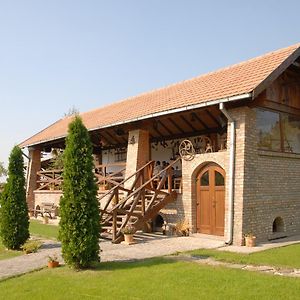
point(79, 207)
point(14, 222)
point(31, 246)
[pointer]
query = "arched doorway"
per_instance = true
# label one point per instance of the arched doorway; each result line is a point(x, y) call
point(211, 200)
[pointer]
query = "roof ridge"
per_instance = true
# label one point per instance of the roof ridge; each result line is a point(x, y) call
point(297, 45)
point(248, 76)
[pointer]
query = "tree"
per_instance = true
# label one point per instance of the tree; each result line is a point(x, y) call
point(14, 221)
point(3, 171)
point(79, 208)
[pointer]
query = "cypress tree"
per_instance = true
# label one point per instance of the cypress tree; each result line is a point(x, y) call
point(14, 221)
point(79, 208)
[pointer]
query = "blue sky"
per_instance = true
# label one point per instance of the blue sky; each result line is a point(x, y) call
point(57, 54)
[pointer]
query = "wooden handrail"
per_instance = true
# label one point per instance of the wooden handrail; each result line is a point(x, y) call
point(126, 179)
point(125, 208)
point(149, 181)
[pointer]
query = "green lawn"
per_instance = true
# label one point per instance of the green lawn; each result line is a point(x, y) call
point(150, 279)
point(46, 231)
point(279, 257)
point(4, 254)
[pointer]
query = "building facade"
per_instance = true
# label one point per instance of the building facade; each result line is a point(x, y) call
point(230, 141)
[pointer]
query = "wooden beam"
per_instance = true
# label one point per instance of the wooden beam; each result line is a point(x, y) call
point(188, 123)
point(277, 106)
point(187, 134)
point(213, 117)
point(112, 137)
point(165, 127)
point(154, 126)
point(175, 125)
point(199, 120)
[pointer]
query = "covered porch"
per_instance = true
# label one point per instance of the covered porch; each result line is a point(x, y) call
point(126, 157)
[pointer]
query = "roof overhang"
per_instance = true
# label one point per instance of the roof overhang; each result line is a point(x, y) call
point(276, 73)
point(158, 114)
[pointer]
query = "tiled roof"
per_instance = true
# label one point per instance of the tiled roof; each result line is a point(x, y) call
point(238, 79)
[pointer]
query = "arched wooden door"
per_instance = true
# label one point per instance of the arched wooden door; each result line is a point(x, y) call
point(211, 200)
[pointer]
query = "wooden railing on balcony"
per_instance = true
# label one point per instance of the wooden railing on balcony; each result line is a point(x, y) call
point(107, 178)
point(52, 179)
point(139, 203)
point(49, 180)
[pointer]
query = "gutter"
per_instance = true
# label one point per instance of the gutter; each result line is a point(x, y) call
point(231, 173)
point(166, 112)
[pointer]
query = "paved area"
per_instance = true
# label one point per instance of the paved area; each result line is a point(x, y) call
point(263, 246)
point(147, 245)
point(151, 245)
point(29, 262)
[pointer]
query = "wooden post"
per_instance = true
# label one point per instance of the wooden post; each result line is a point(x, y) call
point(143, 195)
point(169, 172)
point(114, 226)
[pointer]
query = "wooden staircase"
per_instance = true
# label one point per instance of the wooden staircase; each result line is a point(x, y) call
point(138, 205)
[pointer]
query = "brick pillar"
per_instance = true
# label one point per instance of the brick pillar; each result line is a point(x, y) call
point(138, 152)
point(33, 167)
point(245, 174)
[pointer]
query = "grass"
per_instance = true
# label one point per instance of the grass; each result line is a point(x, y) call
point(287, 256)
point(45, 231)
point(4, 253)
point(36, 228)
point(157, 278)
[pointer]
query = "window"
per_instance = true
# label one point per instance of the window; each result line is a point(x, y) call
point(205, 179)
point(268, 130)
point(120, 154)
point(278, 131)
point(291, 133)
point(219, 179)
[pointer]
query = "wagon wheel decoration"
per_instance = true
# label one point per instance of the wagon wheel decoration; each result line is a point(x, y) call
point(186, 150)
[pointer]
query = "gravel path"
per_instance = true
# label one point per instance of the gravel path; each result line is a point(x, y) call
point(147, 246)
point(29, 262)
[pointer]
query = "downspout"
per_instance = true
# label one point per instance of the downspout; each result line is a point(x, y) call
point(231, 173)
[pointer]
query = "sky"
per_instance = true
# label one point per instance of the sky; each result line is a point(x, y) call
point(59, 54)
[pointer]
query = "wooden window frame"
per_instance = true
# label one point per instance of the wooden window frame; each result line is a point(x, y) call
point(281, 130)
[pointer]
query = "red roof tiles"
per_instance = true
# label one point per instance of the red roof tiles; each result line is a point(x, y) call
point(238, 79)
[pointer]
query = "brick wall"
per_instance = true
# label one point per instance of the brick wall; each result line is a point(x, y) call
point(186, 205)
point(266, 184)
point(47, 196)
point(277, 194)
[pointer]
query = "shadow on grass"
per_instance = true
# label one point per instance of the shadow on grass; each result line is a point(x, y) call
point(127, 265)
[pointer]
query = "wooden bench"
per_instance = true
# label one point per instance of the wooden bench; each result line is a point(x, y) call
point(46, 208)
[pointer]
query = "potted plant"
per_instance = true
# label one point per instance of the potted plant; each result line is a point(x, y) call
point(52, 261)
point(250, 239)
point(128, 232)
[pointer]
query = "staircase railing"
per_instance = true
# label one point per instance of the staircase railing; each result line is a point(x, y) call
point(145, 184)
point(107, 178)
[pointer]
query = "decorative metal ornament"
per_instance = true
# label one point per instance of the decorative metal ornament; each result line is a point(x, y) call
point(186, 150)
